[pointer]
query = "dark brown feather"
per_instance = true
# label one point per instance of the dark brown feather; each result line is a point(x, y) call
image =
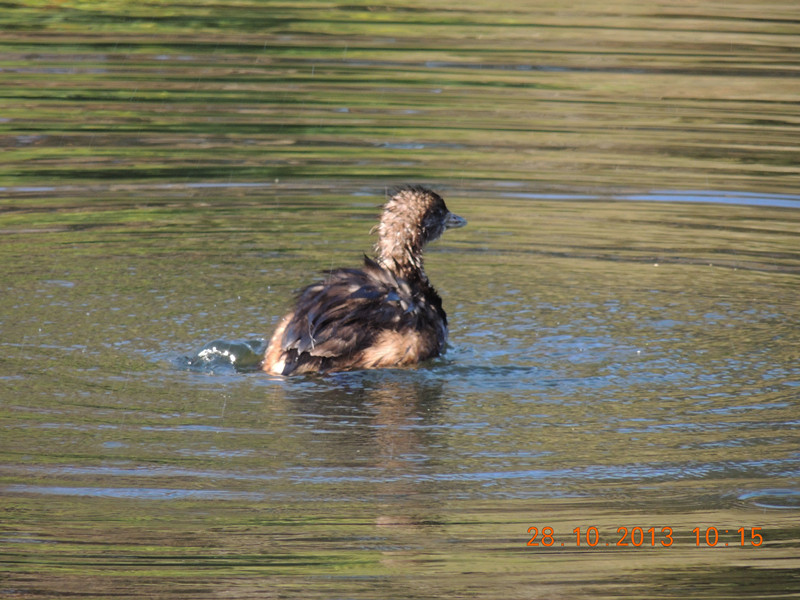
point(335, 319)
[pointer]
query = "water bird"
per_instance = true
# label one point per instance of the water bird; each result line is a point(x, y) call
point(385, 314)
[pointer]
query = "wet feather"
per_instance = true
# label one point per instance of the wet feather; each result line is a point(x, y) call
point(384, 314)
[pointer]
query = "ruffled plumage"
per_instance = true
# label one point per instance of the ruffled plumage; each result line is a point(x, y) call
point(382, 315)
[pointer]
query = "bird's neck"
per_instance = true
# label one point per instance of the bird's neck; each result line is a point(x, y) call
point(404, 262)
point(409, 268)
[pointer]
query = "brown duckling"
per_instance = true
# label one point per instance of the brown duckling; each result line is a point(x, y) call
point(386, 314)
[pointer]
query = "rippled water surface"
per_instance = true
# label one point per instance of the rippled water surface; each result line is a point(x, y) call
point(617, 414)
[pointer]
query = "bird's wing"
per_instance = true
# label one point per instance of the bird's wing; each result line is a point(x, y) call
point(345, 312)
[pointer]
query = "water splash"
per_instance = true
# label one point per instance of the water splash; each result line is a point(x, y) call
point(223, 356)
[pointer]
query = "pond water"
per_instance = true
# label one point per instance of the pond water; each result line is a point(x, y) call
point(617, 413)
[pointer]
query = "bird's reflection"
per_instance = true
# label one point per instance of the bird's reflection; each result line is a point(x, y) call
point(389, 423)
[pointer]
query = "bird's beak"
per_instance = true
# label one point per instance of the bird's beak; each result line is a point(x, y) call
point(453, 221)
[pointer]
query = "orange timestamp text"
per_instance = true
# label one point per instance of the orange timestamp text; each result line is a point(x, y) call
point(637, 537)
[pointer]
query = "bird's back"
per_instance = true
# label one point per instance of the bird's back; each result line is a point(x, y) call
point(358, 318)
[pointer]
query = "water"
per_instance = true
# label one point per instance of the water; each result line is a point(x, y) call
point(623, 304)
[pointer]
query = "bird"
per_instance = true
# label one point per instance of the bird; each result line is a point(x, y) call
point(385, 314)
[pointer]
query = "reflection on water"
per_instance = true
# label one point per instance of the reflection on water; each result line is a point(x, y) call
point(667, 96)
point(623, 306)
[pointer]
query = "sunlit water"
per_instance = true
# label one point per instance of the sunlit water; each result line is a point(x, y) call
point(623, 304)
